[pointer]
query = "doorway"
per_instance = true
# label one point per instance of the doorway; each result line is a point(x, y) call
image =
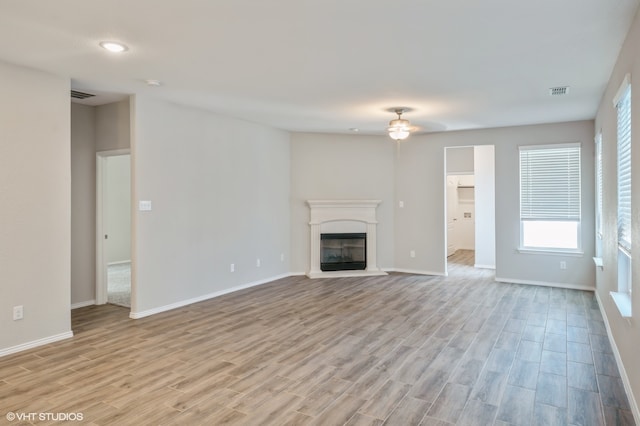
point(470, 206)
point(113, 225)
point(460, 213)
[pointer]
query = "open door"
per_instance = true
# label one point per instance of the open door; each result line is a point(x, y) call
point(452, 202)
point(113, 227)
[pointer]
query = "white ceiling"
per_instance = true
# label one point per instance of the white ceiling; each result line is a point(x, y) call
point(331, 65)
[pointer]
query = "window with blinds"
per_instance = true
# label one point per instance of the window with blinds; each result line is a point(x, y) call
point(550, 199)
point(599, 185)
point(622, 101)
point(624, 169)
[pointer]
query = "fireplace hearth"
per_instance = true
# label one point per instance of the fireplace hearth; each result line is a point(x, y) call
point(343, 252)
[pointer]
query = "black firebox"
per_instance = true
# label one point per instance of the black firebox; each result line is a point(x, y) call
point(343, 252)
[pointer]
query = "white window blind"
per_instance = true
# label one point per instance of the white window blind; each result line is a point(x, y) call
point(599, 185)
point(550, 182)
point(624, 169)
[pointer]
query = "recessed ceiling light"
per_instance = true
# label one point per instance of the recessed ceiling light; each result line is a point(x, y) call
point(113, 46)
point(354, 129)
point(154, 83)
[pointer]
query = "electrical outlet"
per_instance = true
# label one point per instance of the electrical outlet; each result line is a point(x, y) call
point(401, 204)
point(563, 264)
point(412, 253)
point(281, 257)
point(18, 312)
point(232, 267)
point(257, 263)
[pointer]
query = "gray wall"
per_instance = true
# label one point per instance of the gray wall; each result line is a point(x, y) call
point(35, 189)
point(83, 204)
point(220, 194)
point(113, 126)
point(324, 167)
point(625, 332)
point(420, 183)
point(347, 166)
point(460, 160)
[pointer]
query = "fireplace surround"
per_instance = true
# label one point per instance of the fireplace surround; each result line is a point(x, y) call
point(343, 217)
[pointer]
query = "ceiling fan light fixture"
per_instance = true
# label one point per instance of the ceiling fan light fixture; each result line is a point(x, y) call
point(399, 128)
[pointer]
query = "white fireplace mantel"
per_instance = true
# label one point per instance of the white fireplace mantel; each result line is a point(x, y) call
point(325, 211)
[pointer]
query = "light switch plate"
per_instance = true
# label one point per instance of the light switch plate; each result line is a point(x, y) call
point(144, 206)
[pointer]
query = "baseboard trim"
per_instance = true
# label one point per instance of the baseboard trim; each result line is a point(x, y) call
point(484, 266)
point(35, 343)
point(416, 272)
point(83, 304)
point(545, 284)
point(623, 372)
point(149, 312)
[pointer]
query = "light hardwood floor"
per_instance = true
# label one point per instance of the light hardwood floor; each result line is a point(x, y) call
point(399, 350)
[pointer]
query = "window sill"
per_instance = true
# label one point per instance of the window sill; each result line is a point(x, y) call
point(623, 302)
point(598, 262)
point(551, 252)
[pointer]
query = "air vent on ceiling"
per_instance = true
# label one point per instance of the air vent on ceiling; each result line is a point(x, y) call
point(81, 95)
point(559, 91)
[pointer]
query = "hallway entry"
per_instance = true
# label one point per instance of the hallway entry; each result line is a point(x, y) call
point(114, 228)
point(470, 203)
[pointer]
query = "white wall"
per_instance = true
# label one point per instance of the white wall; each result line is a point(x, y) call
point(35, 189)
point(118, 208)
point(220, 193)
point(83, 204)
point(485, 206)
point(625, 332)
point(327, 167)
point(420, 181)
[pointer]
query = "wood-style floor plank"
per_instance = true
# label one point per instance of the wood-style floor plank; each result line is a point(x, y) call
point(396, 350)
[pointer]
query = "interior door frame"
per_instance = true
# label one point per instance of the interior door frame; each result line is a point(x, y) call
point(101, 222)
point(451, 226)
point(447, 173)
